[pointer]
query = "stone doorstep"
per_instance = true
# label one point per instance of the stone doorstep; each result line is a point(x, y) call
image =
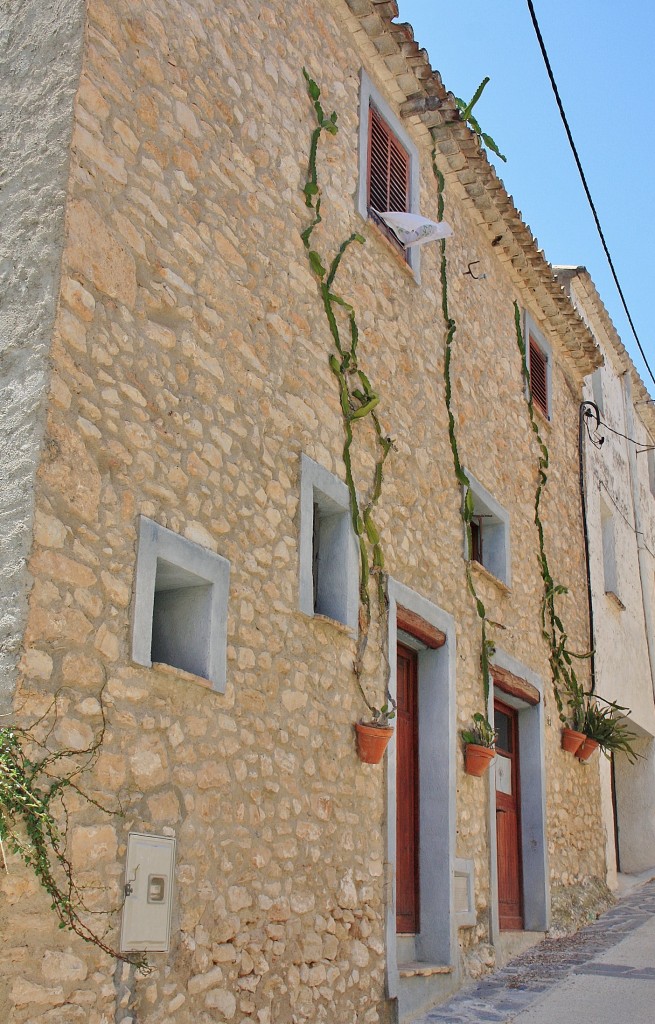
point(420, 969)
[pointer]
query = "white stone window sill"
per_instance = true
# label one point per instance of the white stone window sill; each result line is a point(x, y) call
point(181, 675)
point(479, 569)
point(325, 620)
point(397, 253)
point(420, 969)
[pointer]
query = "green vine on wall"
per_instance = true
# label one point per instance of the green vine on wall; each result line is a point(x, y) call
point(358, 398)
point(565, 680)
point(34, 818)
point(467, 508)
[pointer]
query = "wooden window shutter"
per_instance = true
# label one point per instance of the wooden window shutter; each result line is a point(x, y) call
point(388, 168)
point(538, 377)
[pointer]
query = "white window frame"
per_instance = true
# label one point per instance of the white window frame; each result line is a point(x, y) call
point(608, 547)
point(496, 533)
point(650, 458)
point(190, 565)
point(369, 94)
point(338, 597)
point(530, 329)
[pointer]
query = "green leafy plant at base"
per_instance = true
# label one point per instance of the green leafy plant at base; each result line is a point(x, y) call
point(482, 734)
point(466, 114)
point(358, 399)
point(604, 721)
point(34, 820)
point(467, 508)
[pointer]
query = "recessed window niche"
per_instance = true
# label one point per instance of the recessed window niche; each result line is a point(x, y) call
point(180, 606)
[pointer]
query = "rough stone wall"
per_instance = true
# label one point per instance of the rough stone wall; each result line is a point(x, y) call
point(190, 372)
point(39, 68)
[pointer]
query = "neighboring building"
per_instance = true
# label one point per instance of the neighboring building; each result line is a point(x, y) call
point(181, 528)
point(620, 504)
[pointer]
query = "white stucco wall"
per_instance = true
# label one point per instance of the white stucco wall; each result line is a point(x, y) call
point(622, 662)
point(39, 67)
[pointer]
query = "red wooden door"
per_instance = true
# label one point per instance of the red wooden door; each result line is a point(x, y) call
point(508, 818)
point(407, 806)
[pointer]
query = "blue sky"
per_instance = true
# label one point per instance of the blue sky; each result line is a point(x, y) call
point(603, 61)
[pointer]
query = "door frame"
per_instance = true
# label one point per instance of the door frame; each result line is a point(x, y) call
point(436, 942)
point(532, 761)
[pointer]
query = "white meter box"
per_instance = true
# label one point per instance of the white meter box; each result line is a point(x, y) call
point(149, 874)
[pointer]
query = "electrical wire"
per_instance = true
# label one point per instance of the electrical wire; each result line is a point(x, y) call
point(598, 441)
point(583, 178)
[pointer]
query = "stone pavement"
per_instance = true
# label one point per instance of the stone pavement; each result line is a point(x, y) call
point(603, 973)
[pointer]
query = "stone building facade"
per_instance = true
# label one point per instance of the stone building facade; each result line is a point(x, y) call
point(179, 427)
point(620, 501)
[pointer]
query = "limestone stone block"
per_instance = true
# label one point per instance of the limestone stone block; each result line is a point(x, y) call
point(24, 992)
point(93, 845)
point(57, 966)
point(202, 982)
point(223, 1001)
point(73, 735)
point(149, 763)
point(37, 663)
point(238, 897)
point(97, 254)
point(359, 954)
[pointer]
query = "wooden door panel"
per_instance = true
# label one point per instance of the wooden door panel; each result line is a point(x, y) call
point(508, 819)
point(407, 807)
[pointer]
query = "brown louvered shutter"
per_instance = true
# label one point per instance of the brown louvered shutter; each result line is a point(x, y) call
point(538, 377)
point(388, 168)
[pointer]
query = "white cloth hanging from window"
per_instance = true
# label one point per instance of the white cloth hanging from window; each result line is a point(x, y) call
point(412, 229)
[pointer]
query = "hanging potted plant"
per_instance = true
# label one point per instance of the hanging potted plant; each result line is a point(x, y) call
point(604, 726)
point(480, 748)
point(573, 735)
point(572, 740)
point(373, 736)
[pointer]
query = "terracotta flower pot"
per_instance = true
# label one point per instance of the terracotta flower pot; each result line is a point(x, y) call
point(372, 741)
point(587, 749)
point(477, 759)
point(572, 740)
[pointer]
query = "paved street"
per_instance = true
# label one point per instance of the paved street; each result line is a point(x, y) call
point(604, 973)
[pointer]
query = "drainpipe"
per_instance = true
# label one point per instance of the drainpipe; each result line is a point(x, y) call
point(587, 408)
point(642, 553)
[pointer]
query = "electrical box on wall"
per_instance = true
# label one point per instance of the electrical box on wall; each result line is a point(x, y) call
point(149, 874)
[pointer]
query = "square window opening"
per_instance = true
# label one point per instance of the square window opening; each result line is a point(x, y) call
point(181, 619)
point(180, 605)
point(330, 531)
point(328, 552)
point(539, 359)
point(650, 455)
point(388, 175)
point(388, 167)
point(608, 538)
point(489, 534)
point(539, 376)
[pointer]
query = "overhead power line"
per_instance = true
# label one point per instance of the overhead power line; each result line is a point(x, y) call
point(584, 183)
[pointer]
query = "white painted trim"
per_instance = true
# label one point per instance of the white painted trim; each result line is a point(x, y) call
point(437, 940)
point(466, 869)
